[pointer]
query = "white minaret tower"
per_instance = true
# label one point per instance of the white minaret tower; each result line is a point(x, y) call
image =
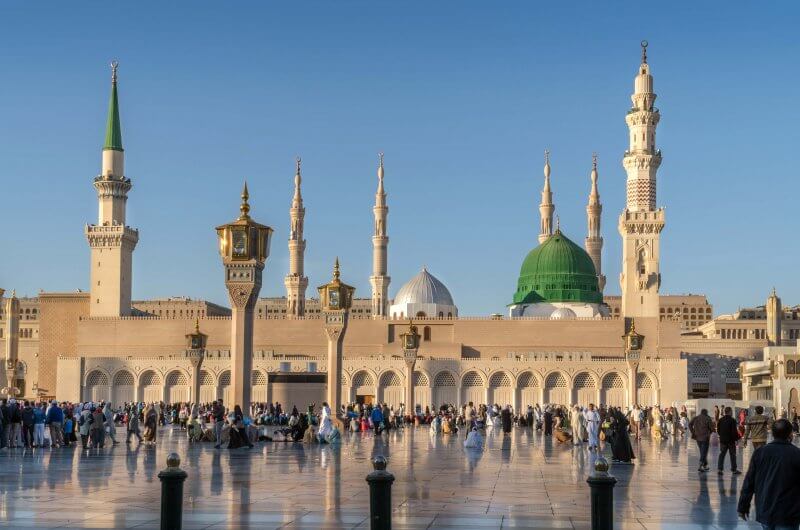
point(296, 282)
point(546, 208)
point(641, 222)
point(380, 243)
point(111, 242)
point(594, 241)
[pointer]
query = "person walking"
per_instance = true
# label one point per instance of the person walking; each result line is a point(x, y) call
point(592, 426)
point(728, 432)
point(756, 428)
point(133, 426)
point(38, 425)
point(701, 428)
point(55, 422)
point(772, 478)
point(98, 427)
point(85, 423)
point(218, 412)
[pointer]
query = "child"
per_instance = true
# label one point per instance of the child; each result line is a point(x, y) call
point(68, 427)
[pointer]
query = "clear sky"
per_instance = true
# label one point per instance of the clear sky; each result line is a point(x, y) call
point(462, 96)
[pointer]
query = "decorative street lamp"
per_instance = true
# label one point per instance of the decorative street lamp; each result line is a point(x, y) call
point(12, 345)
point(244, 247)
point(195, 352)
point(634, 343)
point(410, 342)
point(335, 299)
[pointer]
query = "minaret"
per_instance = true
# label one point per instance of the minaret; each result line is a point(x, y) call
point(594, 241)
point(111, 242)
point(380, 242)
point(640, 224)
point(546, 208)
point(296, 282)
point(12, 340)
point(774, 318)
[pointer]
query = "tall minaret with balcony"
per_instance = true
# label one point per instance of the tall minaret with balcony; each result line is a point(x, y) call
point(380, 243)
point(296, 282)
point(594, 241)
point(110, 240)
point(641, 222)
point(546, 208)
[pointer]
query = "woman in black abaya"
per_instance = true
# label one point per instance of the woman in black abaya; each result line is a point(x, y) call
point(621, 450)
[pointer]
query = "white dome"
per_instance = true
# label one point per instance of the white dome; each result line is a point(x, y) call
point(563, 313)
point(423, 288)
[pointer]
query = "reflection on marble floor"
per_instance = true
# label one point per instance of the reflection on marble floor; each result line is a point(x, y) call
point(522, 481)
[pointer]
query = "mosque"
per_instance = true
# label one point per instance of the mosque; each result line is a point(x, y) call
point(562, 340)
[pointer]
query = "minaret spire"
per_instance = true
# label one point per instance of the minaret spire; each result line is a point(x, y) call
point(380, 243)
point(546, 208)
point(111, 241)
point(296, 282)
point(641, 222)
point(594, 241)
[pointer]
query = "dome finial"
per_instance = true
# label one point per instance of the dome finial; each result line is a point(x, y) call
point(644, 44)
point(558, 224)
point(244, 208)
point(336, 269)
point(380, 166)
point(114, 66)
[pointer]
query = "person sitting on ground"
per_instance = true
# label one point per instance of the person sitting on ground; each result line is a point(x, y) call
point(474, 440)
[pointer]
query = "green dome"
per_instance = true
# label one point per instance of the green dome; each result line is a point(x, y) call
point(558, 270)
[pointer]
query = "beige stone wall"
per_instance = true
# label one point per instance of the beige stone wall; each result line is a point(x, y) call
point(58, 332)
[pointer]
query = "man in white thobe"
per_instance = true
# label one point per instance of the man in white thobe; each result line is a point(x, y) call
point(576, 420)
point(592, 426)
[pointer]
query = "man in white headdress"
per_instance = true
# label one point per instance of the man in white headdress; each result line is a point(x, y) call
point(576, 420)
point(325, 424)
point(592, 426)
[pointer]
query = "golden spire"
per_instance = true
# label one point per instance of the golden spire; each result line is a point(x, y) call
point(336, 269)
point(380, 172)
point(114, 66)
point(644, 51)
point(546, 164)
point(245, 207)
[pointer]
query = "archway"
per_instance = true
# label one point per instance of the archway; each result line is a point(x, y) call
point(472, 389)
point(97, 388)
point(390, 390)
point(124, 388)
point(645, 390)
point(585, 389)
point(500, 390)
point(208, 390)
point(151, 388)
point(556, 390)
point(529, 390)
point(224, 389)
point(177, 390)
point(364, 387)
point(444, 390)
point(258, 382)
point(422, 392)
point(613, 390)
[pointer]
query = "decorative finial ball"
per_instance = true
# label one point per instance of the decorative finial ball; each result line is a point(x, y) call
point(644, 44)
point(601, 465)
point(173, 461)
point(379, 463)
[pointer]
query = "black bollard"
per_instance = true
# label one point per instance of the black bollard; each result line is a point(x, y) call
point(380, 495)
point(602, 485)
point(172, 480)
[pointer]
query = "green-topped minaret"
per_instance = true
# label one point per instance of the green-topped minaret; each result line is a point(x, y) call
point(113, 127)
point(111, 240)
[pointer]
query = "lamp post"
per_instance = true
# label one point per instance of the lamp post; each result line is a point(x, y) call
point(410, 342)
point(335, 299)
point(633, 345)
point(196, 343)
point(244, 247)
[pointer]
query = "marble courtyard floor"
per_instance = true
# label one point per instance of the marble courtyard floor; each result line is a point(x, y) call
point(522, 481)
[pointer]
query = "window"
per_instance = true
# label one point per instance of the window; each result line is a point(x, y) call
point(584, 380)
point(444, 379)
point(472, 379)
point(426, 333)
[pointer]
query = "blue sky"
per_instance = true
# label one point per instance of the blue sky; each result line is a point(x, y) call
point(462, 97)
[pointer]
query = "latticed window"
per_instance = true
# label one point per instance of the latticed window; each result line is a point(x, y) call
point(420, 379)
point(701, 369)
point(444, 379)
point(791, 367)
point(643, 381)
point(528, 380)
point(584, 380)
point(123, 378)
point(258, 378)
point(97, 378)
point(225, 379)
point(363, 379)
point(472, 379)
point(731, 369)
point(206, 379)
point(556, 380)
point(613, 380)
point(176, 378)
point(390, 379)
point(150, 379)
point(500, 379)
